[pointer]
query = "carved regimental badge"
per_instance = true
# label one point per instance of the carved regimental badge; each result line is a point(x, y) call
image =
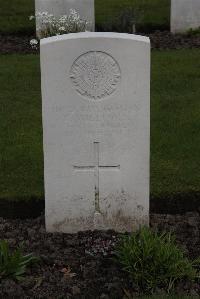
point(95, 75)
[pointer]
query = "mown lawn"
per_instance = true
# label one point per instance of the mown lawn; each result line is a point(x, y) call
point(14, 16)
point(151, 13)
point(175, 122)
point(21, 157)
point(154, 14)
point(175, 125)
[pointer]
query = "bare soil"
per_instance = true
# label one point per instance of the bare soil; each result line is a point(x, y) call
point(159, 40)
point(82, 265)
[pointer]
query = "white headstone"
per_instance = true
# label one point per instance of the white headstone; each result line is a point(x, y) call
point(62, 7)
point(96, 106)
point(185, 14)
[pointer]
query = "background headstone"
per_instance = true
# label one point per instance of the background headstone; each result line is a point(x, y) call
point(96, 123)
point(185, 14)
point(61, 7)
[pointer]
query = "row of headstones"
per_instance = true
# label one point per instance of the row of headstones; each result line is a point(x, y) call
point(185, 14)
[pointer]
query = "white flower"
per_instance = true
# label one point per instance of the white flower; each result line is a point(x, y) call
point(31, 18)
point(62, 28)
point(50, 25)
point(72, 11)
point(33, 42)
point(44, 13)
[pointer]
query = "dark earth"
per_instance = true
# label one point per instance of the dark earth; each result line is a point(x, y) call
point(159, 40)
point(83, 265)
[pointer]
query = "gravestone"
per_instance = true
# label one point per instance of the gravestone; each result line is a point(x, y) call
point(96, 106)
point(61, 7)
point(185, 14)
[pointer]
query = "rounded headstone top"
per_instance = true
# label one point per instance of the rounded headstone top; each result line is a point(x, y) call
point(95, 35)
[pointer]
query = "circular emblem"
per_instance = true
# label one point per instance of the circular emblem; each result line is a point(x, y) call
point(95, 75)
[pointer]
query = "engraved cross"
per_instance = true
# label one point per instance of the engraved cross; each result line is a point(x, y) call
point(96, 168)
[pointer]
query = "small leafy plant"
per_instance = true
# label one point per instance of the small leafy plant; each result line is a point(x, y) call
point(154, 260)
point(193, 32)
point(14, 264)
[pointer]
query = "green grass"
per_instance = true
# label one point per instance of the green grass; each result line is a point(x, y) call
point(14, 14)
point(155, 13)
point(21, 159)
point(175, 123)
point(153, 260)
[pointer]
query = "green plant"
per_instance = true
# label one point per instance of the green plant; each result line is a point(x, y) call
point(128, 19)
point(193, 32)
point(153, 260)
point(13, 264)
point(125, 21)
point(49, 25)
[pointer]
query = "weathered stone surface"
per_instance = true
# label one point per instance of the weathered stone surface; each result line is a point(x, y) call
point(61, 7)
point(96, 106)
point(185, 14)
